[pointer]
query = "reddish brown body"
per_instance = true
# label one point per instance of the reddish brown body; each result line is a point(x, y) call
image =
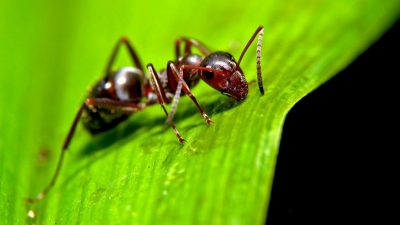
point(120, 93)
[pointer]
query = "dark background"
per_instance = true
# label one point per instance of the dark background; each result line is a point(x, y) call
point(334, 164)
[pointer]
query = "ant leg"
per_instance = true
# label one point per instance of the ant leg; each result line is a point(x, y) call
point(132, 53)
point(189, 43)
point(178, 75)
point(67, 140)
point(260, 32)
point(127, 107)
point(156, 85)
point(101, 102)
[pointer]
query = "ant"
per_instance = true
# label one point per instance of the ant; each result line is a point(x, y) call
point(127, 90)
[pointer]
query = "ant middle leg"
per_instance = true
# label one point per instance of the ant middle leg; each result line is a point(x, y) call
point(157, 87)
point(189, 42)
point(178, 76)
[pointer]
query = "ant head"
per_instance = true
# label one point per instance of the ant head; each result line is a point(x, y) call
point(225, 76)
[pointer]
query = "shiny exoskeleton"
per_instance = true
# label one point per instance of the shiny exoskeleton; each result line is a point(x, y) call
point(124, 85)
point(122, 92)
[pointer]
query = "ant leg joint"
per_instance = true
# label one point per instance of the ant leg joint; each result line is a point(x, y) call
point(207, 118)
point(124, 39)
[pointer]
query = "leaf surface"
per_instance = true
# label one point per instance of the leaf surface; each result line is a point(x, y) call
point(138, 173)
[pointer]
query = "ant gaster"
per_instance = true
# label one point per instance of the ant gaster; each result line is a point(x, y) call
point(127, 90)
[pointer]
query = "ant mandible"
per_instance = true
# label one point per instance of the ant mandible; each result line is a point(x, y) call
point(127, 90)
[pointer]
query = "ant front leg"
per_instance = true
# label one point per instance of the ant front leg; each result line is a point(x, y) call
point(178, 75)
point(188, 47)
point(157, 87)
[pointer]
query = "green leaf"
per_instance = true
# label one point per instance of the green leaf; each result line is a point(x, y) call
point(138, 173)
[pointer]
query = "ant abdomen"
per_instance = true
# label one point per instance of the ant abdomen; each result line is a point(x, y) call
point(124, 85)
point(128, 84)
point(96, 119)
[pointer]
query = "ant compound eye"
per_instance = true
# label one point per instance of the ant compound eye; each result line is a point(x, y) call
point(208, 74)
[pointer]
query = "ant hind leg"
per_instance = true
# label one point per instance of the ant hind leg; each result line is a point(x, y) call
point(64, 148)
point(101, 102)
point(131, 51)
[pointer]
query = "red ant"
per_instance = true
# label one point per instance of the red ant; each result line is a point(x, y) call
point(121, 93)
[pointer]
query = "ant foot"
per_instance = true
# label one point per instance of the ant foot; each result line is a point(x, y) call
point(208, 120)
point(181, 140)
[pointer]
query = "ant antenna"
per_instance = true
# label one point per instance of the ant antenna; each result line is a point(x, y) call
point(260, 32)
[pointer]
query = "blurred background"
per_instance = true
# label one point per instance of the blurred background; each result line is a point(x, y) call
point(336, 161)
point(51, 52)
